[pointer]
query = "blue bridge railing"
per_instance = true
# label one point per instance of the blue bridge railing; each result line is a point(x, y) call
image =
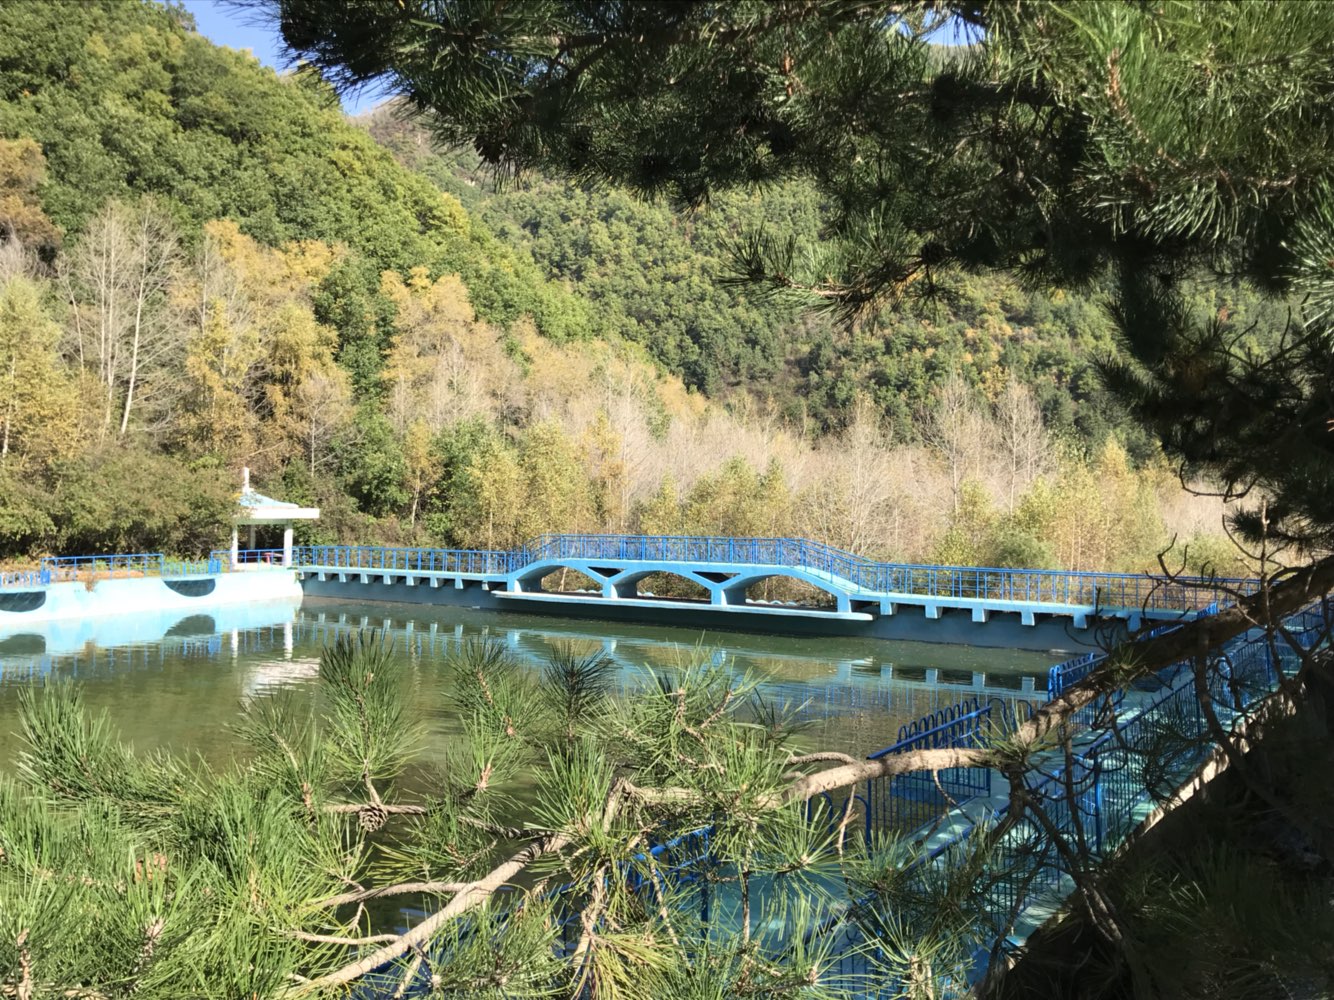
point(859, 574)
point(472, 562)
point(24, 579)
point(1106, 590)
point(909, 801)
point(66, 569)
point(1096, 798)
point(1120, 590)
point(247, 557)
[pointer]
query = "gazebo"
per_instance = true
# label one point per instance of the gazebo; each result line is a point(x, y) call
point(257, 509)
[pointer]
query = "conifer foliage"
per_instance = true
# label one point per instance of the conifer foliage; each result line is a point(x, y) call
point(1159, 144)
point(540, 844)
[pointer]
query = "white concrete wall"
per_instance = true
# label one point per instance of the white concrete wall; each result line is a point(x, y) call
point(150, 595)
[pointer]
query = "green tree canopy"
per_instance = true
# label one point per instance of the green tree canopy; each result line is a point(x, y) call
point(1157, 145)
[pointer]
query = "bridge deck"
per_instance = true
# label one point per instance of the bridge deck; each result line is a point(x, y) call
point(847, 587)
point(722, 572)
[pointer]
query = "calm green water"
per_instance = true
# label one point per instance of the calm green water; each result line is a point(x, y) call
point(179, 683)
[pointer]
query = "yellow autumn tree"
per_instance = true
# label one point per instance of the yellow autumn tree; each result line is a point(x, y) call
point(610, 481)
point(420, 463)
point(663, 512)
point(556, 487)
point(22, 169)
point(37, 397)
point(490, 513)
point(258, 355)
point(969, 539)
point(442, 365)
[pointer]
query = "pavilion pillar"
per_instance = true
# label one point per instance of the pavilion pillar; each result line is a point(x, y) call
point(236, 544)
point(287, 546)
point(252, 538)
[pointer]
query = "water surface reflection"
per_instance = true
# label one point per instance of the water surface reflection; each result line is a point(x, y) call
point(177, 681)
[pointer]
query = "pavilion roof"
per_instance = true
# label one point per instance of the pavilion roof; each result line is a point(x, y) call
point(257, 507)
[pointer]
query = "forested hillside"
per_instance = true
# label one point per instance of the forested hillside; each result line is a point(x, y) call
point(659, 278)
point(203, 265)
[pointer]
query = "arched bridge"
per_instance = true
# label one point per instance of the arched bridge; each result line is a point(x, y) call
point(724, 572)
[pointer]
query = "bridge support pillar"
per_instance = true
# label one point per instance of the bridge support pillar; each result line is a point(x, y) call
point(1028, 618)
point(734, 596)
point(931, 610)
point(888, 608)
point(626, 589)
point(1081, 619)
point(980, 615)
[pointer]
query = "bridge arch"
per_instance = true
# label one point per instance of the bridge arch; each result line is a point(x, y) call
point(614, 581)
point(735, 589)
point(722, 586)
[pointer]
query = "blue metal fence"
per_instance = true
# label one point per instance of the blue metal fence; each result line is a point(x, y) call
point(24, 579)
point(247, 557)
point(1109, 590)
point(908, 801)
point(66, 569)
point(467, 562)
point(1095, 798)
point(62, 569)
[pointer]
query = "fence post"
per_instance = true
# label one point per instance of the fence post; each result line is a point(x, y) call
point(1097, 805)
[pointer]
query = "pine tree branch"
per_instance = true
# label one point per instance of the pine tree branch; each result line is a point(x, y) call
point(351, 942)
point(397, 889)
point(472, 895)
point(410, 809)
point(1137, 660)
point(366, 808)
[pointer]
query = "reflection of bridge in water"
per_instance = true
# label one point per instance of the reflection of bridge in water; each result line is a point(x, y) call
point(847, 685)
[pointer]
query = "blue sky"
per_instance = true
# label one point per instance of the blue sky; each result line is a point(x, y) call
point(237, 29)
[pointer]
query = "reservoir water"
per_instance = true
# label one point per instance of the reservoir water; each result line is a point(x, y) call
point(178, 682)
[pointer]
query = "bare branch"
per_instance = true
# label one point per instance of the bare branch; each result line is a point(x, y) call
point(351, 942)
point(398, 889)
point(472, 895)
